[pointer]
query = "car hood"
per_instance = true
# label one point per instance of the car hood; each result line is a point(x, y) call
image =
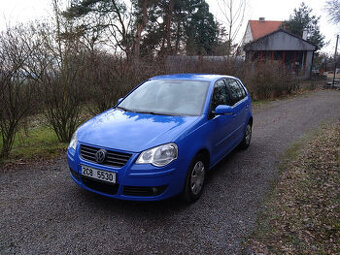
point(135, 132)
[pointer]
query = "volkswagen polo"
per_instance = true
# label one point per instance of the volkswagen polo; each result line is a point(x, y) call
point(162, 138)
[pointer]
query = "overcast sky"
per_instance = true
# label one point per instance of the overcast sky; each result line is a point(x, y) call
point(14, 11)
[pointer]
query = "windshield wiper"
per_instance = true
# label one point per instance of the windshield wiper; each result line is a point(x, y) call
point(124, 109)
point(152, 113)
point(156, 113)
point(143, 112)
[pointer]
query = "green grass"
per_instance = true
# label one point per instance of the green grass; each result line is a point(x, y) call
point(38, 142)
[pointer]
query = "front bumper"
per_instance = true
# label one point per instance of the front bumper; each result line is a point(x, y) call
point(134, 182)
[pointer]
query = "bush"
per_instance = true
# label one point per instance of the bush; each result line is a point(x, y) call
point(264, 81)
point(61, 97)
point(105, 78)
point(17, 88)
point(269, 80)
point(208, 65)
point(58, 67)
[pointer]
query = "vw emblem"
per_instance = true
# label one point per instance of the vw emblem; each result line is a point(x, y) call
point(100, 156)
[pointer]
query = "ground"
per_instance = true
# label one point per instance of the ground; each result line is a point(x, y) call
point(301, 215)
point(43, 211)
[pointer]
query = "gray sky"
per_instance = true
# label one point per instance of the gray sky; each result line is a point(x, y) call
point(14, 11)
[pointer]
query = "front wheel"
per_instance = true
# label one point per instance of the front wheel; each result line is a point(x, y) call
point(195, 179)
point(247, 137)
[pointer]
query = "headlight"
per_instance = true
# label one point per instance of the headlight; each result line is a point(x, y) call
point(159, 156)
point(73, 142)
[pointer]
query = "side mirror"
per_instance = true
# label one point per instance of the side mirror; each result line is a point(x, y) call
point(119, 100)
point(223, 110)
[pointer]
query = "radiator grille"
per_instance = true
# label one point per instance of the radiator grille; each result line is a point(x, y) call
point(113, 158)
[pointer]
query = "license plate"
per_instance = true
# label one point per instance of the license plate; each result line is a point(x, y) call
point(98, 174)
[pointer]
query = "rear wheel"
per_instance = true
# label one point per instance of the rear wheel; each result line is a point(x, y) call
point(247, 137)
point(195, 179)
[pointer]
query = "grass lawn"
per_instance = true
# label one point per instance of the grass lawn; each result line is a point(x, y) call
point(37, 142)
point(302, 215)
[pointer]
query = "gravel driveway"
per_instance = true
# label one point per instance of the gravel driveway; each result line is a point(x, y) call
point(44, 212)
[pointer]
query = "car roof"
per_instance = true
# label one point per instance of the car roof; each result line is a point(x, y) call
point(191, 76)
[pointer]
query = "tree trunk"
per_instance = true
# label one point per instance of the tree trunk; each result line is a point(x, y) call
point(168, 25)
point(138, 40)
point(230, 29)
point(140, 29)
point(178, 37)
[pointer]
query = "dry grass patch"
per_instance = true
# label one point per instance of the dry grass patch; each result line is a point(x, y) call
point(301, 215)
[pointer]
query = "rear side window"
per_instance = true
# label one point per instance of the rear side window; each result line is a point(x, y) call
point(237, 92)
point(242, 88)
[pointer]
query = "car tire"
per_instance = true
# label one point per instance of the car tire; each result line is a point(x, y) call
point(247, 137)
point(195, 180)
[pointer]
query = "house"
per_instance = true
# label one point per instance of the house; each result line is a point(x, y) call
point(266, 40)
point(259, 28)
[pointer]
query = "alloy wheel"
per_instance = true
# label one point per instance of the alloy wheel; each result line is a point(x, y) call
point(197, 177)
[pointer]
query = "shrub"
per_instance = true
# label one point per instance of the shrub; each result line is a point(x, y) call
point(17, 88)
point(58, 65)
point(269, 80)
point(105, 78)
point(61, 97)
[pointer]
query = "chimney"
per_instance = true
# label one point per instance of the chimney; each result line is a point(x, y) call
point(304, 34)
point(261, 19)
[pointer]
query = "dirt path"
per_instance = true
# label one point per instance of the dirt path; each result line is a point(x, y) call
point(44, 212)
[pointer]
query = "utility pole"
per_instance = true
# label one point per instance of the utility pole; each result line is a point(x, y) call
point(336, 51)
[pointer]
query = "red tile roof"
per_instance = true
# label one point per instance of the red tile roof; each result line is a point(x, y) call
point(262, 28)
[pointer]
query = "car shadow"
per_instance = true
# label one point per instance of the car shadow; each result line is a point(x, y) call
point(221, 166)
point(136, 207)
point(163, 207)
point(232, 164)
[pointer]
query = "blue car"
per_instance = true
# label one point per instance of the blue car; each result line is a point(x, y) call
point(162, 138)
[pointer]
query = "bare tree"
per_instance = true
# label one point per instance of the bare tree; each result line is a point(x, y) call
point(114, 20)
point(333, 8)
point(59, 65)
point(17, 85)
point(102, 80)
point(233, 11)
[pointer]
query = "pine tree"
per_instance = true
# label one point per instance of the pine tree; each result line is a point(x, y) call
point(304, 20)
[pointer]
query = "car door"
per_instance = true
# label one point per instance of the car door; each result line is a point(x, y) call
point(240, 104)
point(222, 126)
point(245, 104)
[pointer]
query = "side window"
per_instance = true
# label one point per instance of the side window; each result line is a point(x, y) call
point(219, 96)
point(236, 92)
point(243, 90)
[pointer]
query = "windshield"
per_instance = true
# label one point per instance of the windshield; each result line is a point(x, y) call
point(167, 97)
